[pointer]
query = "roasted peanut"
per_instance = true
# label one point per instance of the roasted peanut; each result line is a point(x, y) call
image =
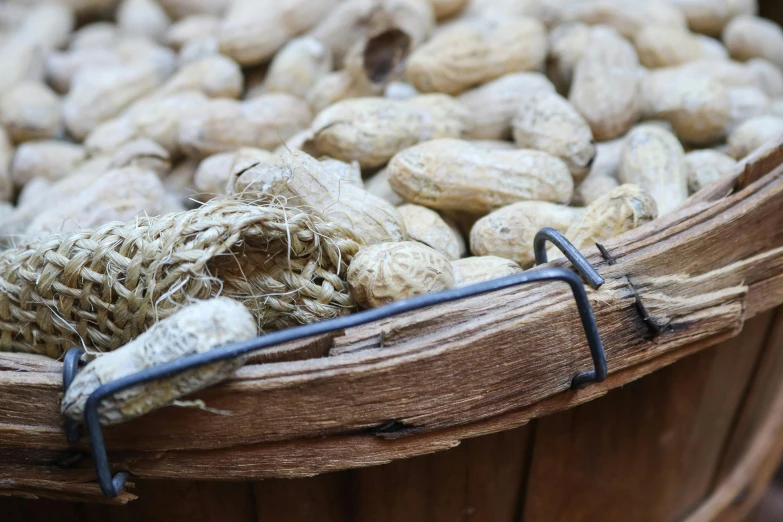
point(749, 37)
point(706, 166)
point(118, 195)
point(155, 118)
point(6, 153)
point(605, 89)
point(654, 160)
point(297, 66)
point(144, 18)
point(492, 105)
point(546, 121)
point(47, 159)
point(31, 111)
point(303, 181)
point(253, 30)
point(352, 129)
point(604, 173)
point(663, 46)
point(222, 125)
point(387, 272)
point(215, 174)
point(509, 231)
point(478, 269)
point(197, 328)
point(699, 108)
point(378, 185)
point(475, 51)
point(450, 174)
point(426, 226)
point(754, 133)
point(97, 95)
point(191, 28)
point(623, 209)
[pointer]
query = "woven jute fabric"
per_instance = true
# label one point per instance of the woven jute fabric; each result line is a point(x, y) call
point(101, 288)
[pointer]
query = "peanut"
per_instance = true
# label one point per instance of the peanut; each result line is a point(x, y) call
point(711, 16)
point(303, 181)
point(355, 20)
point(155, 118)
point(768, 76)
point(378, 185)
point(493, 104)
point(447, 8)
point(427, 227)
point(215, 173)
point(191, 28)
point(746, 103)
point(754, 133)
point(118, 195)
point(222, 125)
point(509, 231)
point(662, 46)
point(605, 89)
point(350, 130)
point(399, 91)
point(628, 17)
point(94, 35)
point(197, 328)
point(504, 7)
point(623, 209)
point(604, 173)
point(369, 66)
point(699, 108)
point(6, 153)
point(216, 76)
point(748, 36)
point(546, 121)
point(97, 95)
point(387, 272)
point(144, 18)
point(142, 153)
point(475, 51)
point(48, 159)
point(31, 111)
point(706, 166)
point(298, 66)
point(450, 174)
point(654, 160)
point(182, 8)
point(567, 44)
point(478, 269)
point(253, 30)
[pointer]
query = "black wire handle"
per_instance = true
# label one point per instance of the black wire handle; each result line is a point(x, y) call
point(112, 486)
point(581, 264)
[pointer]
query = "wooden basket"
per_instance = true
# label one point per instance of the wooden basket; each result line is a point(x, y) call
point(486, 379)
point(696, 440)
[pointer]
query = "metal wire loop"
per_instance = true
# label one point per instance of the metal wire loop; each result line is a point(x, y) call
point(112, 486)
point(583, 267)
point(70, 368)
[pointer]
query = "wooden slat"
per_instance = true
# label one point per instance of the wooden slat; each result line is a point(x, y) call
point(646, 452)
point(477, 481)
point(759, 434)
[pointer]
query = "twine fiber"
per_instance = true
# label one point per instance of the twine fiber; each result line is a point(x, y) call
point(101, 288)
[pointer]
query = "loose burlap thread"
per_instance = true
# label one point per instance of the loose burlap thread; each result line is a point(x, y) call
point(101, 288)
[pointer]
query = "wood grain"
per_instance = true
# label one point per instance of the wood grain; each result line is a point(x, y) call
point(744, 476)
point(646, 452)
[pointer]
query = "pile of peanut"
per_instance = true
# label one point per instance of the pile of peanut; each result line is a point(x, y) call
point(444, 133)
